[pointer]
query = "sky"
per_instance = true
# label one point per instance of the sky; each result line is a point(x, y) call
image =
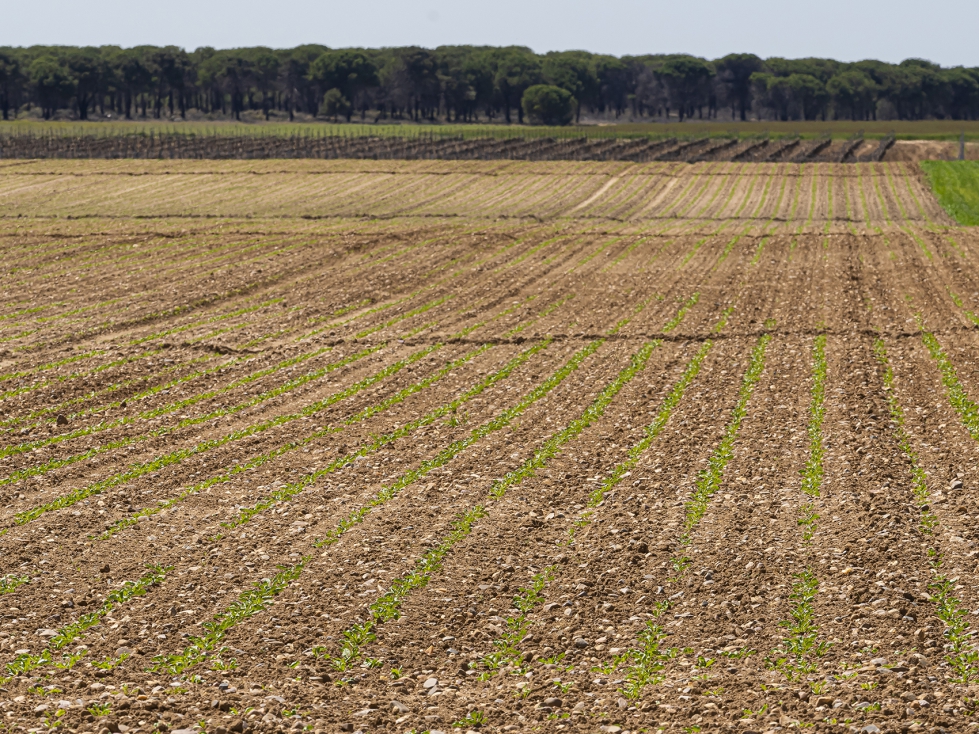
point(942, 31)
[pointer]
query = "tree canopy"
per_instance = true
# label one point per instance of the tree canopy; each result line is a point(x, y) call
point(467, 83)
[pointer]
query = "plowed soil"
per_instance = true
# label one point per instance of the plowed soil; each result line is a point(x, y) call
point(387, 446)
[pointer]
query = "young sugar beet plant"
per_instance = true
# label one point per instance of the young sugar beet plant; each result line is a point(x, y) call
point(644, 663)
point(167, 409)
point(497, 423)
point(795, 656)
point(388, 606)
point(254, 462)
point(25, 663)
point(284, 494)
point(180, 455)
point(507, 650)
point(10, 582)
point(961, 653)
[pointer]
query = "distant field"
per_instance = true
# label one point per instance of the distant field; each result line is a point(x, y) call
point(917, 130)
point(811, 197)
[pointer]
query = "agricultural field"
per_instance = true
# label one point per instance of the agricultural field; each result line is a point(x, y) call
point(492, 446)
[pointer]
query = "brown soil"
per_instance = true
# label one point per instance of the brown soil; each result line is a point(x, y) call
point(929, 150)
point(203, 366)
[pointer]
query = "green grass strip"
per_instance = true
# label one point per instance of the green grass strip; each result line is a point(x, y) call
point(710, 479)
point(24, 663)
point(249, 603)
point(256, 461)
point(956, 184)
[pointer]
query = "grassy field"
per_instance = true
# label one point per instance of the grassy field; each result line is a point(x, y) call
point(840, 129)
point(956, 183)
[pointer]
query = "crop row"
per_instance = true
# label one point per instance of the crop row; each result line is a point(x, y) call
point(868, 193)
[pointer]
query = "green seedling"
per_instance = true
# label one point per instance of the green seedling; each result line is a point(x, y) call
point(9, 582)
point(99, 709)
point(472, 719)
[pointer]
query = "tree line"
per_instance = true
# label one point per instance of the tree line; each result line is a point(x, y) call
point(469, 84)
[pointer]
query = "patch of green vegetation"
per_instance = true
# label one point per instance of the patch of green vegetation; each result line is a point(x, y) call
point(918, 482)
point(710, 479)
point(812, 474)
point(250, 603)
point(962, 656)
point(26, 662)
point(500, 421)
point(507, 651)
point(968, 411)
point(795, 659)
point(956, 184)
point(11, 581)
point(647, 660)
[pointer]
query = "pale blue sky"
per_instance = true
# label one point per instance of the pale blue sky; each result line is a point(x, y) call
point(943, 31)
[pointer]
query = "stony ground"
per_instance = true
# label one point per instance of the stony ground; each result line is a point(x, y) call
point(708, 468)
